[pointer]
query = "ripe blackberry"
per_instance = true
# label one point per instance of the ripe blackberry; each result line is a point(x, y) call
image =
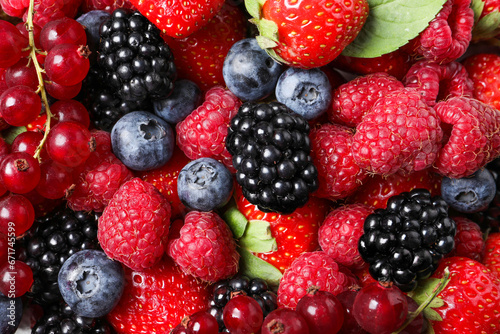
point(271, 148)
point(137, 63)
point(405, 242)
point(255, 288)
point(59, 318)
point(51, 240)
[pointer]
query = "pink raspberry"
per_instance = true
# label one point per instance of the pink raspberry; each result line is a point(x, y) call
point(331, 151)
point(469, 240)
point(133, 228)
point(352, 100)
point(340, 233)
point(472, 136)
point(400, 132)
point(106, 5)
point(202, 134)
point(205, 247)
point(437, 82)
point(312, 268)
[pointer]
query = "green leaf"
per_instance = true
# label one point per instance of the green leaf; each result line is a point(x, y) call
point(258, 238)
point(432, 315)
point(11, 133)
point(236, 221)
point(424, 290)
point(265, 42)
point(487, 27)
point(477, 7)
point(390, 25)
point(254, 8)
point(268, 28)
point(253, 267)
point(259, 246)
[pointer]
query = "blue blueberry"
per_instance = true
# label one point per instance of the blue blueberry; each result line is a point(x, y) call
point(11, 312)
point(92, 22)
point(249, 72)
point(204, 184)
point(91, 283)
point(142, 140)
point(469, 194)
point(306, 92)
point(185, 98)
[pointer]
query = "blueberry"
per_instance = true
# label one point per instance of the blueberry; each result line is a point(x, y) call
point(249, 72)
point(92, 22)
point(306, 92)
point(204, 184)
point(91, 283)
point(185, 98)
point(469, 194)
point(142, 141)
point(11, 312)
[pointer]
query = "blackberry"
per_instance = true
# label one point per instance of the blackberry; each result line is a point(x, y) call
point(59, 318)
point(136, 62)
point(405, 242)
point(271, 148)
point(51, 240)
point(255, 288)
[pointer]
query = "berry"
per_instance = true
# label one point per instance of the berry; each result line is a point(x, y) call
point(134, 226)
point(200, 322)
point(91, 283)
point(19, 172)
point(20, 74)
point(339, 234)
point(28, 142)
point(16, 278)
point(62, 31)
point(62, 92)
point(56, 181)
point(142, 141)
point(106, 6)
point(20, 105)
point(305, 92)
point(205, 247)
point(350, 325)
point(482, 69)
point(92, 21)
point(12, 43)
point(16, 215)
point(67, 64)
point(8, 307)
point(70, 110)
point(284, 321)
point(312, 268)
point(469, 194)
point(468, 240)
point(243, 315)
point(491, 258)
point(185, 97)
point(249, 72)
point(406, 241)
point(270, 148)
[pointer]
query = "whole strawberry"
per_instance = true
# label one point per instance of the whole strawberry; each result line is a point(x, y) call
point(491, 258)
point(310, 33)
point(134, 226)
point(205, 247)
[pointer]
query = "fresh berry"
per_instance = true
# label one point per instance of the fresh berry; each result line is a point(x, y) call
point(200, 322)
point(205, 248)
point(18, 272)
point(92, 20)
point(8, 307)
point(62, 31)
point(350, 325)
point(469, 240)
point(67, 64)
point(483, 70)
point(270, 147)
point(107, 6)
point(284, 321)
point(185, 97)
point(405, 242)
point(20, 105)
point(16, 216)
point(312, 268)
point(243, 315)
point(485, 20)
point(491, 258)
point(133, 227)
point(19, 172)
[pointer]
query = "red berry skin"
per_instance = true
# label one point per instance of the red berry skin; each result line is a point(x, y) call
point(67, 64)
point(15, 279)
point(62, 31)
point(28, 142)
point(491, 257)
point(19, 172)
point(243, 315)
point(20, 74)
point(203, 322)
point(16, 214)
point(284, 321)
point(70, 110)
point(350, 325)
point(20, 105)
point(323, 312)
point(69, 143)
point(469, 240)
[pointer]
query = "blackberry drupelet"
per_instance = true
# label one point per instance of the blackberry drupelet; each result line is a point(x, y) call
point(255, 288)
point(51, 240)
point(137, 63)
point(59, 318)
point(271, 148)
point(405, 242)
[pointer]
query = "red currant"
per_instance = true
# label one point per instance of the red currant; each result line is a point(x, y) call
point(67, 64)
point(61, 92)
point(284, 321)
point(20, 74)
point(21, 26)
point(62, 31)
point(11, 44)
point(70, 110)
point(4, 249)
point(4, 148)
point(19, 172)
point(16, 278)
point(69, 143)
point(20, 105)
point(243, 315)
point(16, 214)
point(203, 322)
point(55, 181)
point(350, 325)
point(28, 142)
point(180, 329)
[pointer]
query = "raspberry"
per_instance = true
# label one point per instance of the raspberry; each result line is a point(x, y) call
point(134, 226)
point(399, 132)
point(436, 82)
point(106, 5)
point(352, 100)
point(331, 151)
point(468, 240)
point(448, 34)
point(203, 132)
point(340, 233)
point(473, 139)
point(312, 268)
point(205, 248)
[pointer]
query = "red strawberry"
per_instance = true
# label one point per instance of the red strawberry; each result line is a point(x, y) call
point(295, 233)
point(471, 298)
point(491, 258)
point(38, 124)
point(484, 70)
point(309, 33)
point(376, 190)
point(200, 56)
point(165, 180)
point(155, 300)
point(178, 18)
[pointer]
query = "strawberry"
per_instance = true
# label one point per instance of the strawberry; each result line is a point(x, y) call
point(200, 56)
point(308, 33)
point(178, 18)
point(38, 124)
point(165, 180)
point(484, 70)
point(491, 258)
point(471, 298)
point(376, 190)
point(487, 19)
point(157, 299)
point(295, 233)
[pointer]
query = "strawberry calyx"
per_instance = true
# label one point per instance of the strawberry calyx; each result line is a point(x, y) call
point(486, 24)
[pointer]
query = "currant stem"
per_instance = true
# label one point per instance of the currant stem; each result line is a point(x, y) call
point(39, 70)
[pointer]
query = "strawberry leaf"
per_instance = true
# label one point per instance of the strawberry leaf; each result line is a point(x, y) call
point(11, 133)
point(487, 27)
point(254, 7)
point(390, 25)
point(257, 237)
point(236, 221)
point(253, 267)
point(477, 7)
